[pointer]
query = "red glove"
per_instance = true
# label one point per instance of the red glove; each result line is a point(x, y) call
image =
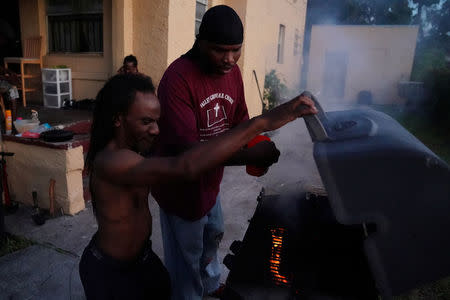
point(253, 170)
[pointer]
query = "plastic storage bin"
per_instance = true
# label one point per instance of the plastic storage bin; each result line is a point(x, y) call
point(57, 86)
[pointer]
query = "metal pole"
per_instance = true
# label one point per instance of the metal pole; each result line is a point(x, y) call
point(259, 89)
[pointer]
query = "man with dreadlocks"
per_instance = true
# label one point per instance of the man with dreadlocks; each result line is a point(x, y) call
point(202, 96)
point(119, 263)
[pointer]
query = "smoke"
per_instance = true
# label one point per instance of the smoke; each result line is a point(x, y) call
point(296, 167)
point(351, 60)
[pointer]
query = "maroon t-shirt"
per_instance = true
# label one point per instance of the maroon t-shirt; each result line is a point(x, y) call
point(195, 107)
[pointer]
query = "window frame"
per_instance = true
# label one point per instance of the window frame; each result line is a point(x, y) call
point(296, 42)
point(197, 20)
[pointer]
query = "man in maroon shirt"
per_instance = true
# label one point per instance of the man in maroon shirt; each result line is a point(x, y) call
point(202, 96)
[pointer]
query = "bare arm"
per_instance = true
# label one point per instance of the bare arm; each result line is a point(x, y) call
point(262, 154)
point(127, 167)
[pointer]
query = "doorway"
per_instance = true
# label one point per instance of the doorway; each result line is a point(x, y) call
point(10, 41)
point(335, 74)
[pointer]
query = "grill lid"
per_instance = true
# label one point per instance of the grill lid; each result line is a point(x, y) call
point(376, 172)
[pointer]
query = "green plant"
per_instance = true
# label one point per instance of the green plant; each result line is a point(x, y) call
point(438, 85)
point(12, 243)
point(423, 127)
point(438, 290)
point(427, 59)
point(274, 90)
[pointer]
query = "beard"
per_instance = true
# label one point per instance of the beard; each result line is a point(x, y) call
point(145, 146)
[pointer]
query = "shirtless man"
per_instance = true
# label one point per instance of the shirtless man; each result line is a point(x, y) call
point(119, 262)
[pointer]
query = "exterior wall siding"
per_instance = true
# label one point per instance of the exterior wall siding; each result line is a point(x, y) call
point(150, 36)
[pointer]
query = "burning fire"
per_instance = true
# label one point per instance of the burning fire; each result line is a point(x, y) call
point(275, 259)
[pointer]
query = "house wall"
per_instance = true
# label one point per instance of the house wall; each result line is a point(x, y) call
point(181, 28)
point(261, 19)
point(291, 14)
point(150, 36)
point(378, 58)
point(89, 71)
point(159, 31)
point(31, 22)
point(122, 27)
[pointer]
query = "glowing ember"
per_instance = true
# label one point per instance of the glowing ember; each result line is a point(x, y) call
point(275, 258)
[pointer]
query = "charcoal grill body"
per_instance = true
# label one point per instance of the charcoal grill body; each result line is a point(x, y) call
point(321, 259)
point(376, 172)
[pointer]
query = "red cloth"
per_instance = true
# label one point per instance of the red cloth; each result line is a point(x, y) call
point(195, 106)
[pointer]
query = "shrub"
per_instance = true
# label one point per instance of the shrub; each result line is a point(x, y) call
point(274, 90)
point(11, 243)
point(438, 85)
point(426, 60)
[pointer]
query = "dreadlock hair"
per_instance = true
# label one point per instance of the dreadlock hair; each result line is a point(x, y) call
point(114, 99)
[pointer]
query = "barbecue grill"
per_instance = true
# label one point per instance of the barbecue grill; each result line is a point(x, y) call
point(380, 225)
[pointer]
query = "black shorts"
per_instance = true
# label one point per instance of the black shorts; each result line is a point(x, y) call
point(106, 278)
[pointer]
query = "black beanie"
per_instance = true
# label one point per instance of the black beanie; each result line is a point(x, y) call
point(221, 25)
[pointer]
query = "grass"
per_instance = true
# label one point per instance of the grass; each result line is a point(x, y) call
point(13, 243)
point(420, 125)
point(439, 290)
point(432, 137)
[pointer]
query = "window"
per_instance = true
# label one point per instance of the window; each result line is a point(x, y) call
point(296, 43)
point(200, 9)
point(75, 25)
point(280, 53)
